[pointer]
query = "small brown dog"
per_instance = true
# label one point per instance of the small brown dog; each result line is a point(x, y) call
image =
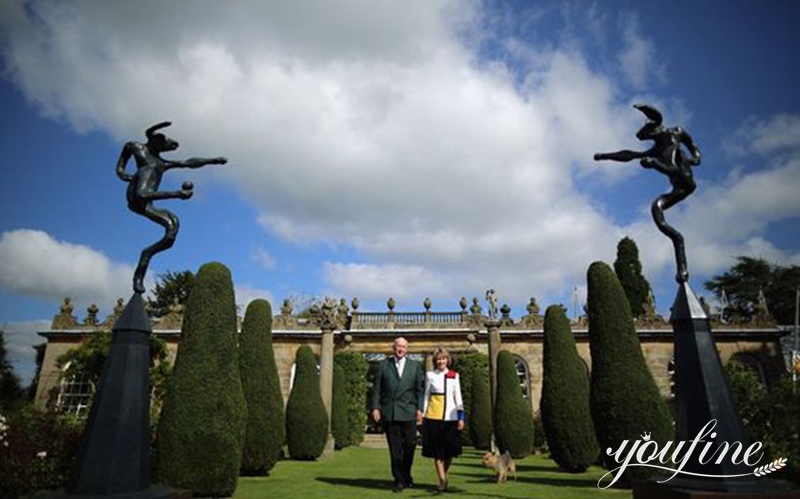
point(501, 464)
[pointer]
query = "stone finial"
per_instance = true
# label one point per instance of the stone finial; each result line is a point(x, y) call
point(354, 303)
point(476, 307)
point(328, 319)
point(463, 303)
point(287, 307)
point(91, 315)
point(533, 307)
point(64, 319)
point(390, 303)
point(343, 310)
point(119, 308)
point(427, 304)
point(762, 316)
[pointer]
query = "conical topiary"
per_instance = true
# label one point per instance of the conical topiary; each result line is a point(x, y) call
point(629, 272)
point(353, 390)
point(306, 418)
point(264, 433)
point(480, 423)
point(625, 401)
point(339, 428)
point(201, 429)
point(566, 417)
point(513, 420)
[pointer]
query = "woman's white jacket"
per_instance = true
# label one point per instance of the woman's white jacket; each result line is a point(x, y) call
point(449, 383)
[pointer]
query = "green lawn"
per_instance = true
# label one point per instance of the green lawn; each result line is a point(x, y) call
point(363, 473)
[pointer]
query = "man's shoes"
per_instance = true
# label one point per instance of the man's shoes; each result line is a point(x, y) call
point(397, 487)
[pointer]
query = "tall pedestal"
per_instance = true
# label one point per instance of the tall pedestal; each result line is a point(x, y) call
point(702, 394)
point(493, 328)
point(326, 380)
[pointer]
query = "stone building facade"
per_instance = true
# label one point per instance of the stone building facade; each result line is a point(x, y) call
point(371, 333)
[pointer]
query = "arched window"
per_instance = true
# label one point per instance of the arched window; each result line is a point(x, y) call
point(523, 373)
point(74, 393)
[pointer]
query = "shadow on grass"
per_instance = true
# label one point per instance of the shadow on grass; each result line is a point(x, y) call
point(568, 479)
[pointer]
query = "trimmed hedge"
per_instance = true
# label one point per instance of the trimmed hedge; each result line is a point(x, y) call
point(264, 430)
point(480, 422)
point(467, 365)
point(353, 398)
point(566, 417)
point(629, 272)
point(202, 424)
point(625, 401)
point(339, 409)
point(513, 421)
point(306, 418)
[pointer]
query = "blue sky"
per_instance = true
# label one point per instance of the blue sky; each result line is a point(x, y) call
point(376, 148)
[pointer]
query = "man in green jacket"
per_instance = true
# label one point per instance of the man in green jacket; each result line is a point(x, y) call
point(397, 401)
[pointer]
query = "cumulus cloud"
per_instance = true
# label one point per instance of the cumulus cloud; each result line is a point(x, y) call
point(35, 264)
point(264, 258)
point(638, 55)
point(371, 125)
point(246, 293)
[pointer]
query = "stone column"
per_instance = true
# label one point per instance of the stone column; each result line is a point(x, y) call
point(327, 325)
point(493, 327)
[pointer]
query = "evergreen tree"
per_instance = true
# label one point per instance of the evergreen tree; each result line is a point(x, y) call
point(306, 418)
point(354, 397)
point(625, 401)
point(264, 433)
point(202, 425)
point(565, 410)
point(513, 421)
point(629, 272)
point(339, 428)
point(10, 387)
point(468, 365)
point(480, 421)
point(171, 287)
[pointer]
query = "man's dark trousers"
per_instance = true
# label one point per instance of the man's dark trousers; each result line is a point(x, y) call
point(402, 439)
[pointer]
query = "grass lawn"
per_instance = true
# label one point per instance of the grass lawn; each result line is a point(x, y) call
point(363, 473)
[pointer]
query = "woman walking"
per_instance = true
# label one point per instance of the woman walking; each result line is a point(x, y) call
point(443, 416)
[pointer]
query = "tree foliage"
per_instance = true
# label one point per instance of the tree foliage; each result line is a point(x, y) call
point(306, 418)
point(566, 416)
point(480, 410)
point(202, 425)
point(87, 360)
point(513, 420)
point(468, 366)
point(10, 388)
point(743, 282)
point(264, 429)
point(171, 287)
point(624, 399)
point(352, 398)
point(629, 272)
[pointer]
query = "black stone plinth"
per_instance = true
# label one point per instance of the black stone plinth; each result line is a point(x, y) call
point(113, 457)
point(702, 394)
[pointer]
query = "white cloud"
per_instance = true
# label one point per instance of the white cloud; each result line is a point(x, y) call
point(263, 257)
point(34, 264)
point(637, 58)
point(246, 293)
point(372, 125)
point(767, 136)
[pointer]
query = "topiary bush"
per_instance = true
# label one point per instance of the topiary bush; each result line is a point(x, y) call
point(264, 429)
point(480, 420)
point(624, 399)
point(513, 421)
point(306, 418)
point(566, 417)
point(339, 409)
point(202, 424)
point(628, 269)
point(354, 397)
point(467, 366)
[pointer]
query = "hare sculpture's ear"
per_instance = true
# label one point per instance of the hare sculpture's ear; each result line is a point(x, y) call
point(149, 132)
